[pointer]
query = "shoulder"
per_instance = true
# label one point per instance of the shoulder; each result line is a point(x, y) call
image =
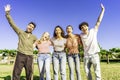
point(93, 30)
point(36, 42)
point(34, 37)
point(64, 39)
point(20, 31)
point(49, 41)
point(66, 36)
point(77, 35)
point(81, 34)
point(53, 38)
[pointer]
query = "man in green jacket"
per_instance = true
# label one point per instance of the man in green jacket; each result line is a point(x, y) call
point(25, 49)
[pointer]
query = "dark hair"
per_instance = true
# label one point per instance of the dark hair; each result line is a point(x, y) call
point(33, 24)
point(69, 26)
point(66, 36)
point(83, 23)
point(62, 33)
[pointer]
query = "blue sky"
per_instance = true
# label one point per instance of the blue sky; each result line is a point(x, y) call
point(49, 13)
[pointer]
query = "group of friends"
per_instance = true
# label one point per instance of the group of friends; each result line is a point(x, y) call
point(62, 44)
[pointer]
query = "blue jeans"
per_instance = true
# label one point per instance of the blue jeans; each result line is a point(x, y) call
point(59, 61)
point(44, 61)
point(88, 61)
point(73, 60)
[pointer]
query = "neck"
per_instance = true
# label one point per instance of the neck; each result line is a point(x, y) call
point(71, 35)
point(28, 32)
point(59, 37)
point(86, 32)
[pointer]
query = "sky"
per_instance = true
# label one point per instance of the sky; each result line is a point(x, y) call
point(49, 13)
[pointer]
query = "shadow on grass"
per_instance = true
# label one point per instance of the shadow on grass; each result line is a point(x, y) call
point(21, 78)
point(6, 78)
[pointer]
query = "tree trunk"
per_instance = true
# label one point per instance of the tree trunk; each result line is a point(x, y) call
point(107, 59)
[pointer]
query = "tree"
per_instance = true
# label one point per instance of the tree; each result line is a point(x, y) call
point(105, 52)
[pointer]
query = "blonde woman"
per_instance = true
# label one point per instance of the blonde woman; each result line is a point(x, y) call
point(44, 57)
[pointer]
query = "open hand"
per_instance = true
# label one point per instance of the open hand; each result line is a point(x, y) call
point(7, 8)
point(102, 6)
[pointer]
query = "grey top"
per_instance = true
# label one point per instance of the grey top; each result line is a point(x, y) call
point(58, 44)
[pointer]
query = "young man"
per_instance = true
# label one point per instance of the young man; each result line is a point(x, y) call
point(91, 47)
point(25, 49)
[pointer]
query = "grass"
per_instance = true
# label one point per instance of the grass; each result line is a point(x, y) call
point(109, 72)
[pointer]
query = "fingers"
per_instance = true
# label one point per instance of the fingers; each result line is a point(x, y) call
point(102, 6)
point(7, 7)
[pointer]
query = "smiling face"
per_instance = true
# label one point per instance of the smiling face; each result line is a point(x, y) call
point(46, 36)
point(69, 30)
point(84, 28)
point(58, 31)
point(30, 28)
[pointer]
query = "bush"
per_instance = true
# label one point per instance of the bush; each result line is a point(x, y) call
point(111, 60)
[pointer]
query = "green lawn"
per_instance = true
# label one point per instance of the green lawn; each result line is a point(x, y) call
point(109, 72)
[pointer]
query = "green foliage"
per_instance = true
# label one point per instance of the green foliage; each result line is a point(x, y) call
point(12, 52)
point(7, 52)
point(35, 52)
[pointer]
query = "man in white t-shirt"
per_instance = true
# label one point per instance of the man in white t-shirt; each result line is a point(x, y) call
point(91, 47)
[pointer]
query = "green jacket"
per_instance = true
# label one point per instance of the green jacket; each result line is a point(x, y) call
point(25, 43)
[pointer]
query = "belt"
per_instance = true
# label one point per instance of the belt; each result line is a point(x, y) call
point(44, 53)
point(71, 54)
point(59, 51)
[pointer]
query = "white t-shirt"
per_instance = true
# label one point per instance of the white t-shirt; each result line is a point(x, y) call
point(90, 43)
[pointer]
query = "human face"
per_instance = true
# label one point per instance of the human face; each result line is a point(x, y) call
point(46, 36)
point(58, 31)
point(69, 30)
point(30, 28)
point(84, 28)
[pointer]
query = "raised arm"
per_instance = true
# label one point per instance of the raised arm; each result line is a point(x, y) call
point(100, 17)
point(10, 20)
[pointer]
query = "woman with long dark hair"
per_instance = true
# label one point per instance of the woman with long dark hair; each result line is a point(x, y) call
point(59, 55)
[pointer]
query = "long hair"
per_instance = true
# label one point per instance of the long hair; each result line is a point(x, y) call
point(41, 38)
point(62, 33)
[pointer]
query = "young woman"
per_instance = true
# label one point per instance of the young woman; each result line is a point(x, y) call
point(59, 55)
point(44, 57)
point(73, 42)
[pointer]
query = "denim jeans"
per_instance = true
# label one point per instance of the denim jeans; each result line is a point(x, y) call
point(44, 61)
point(59, 61)
point(73, 61)
point(95, 60)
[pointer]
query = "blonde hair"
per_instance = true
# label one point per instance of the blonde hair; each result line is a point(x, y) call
point(43, 35)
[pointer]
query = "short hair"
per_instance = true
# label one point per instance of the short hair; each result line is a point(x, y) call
point(69, 26)
point(83, 23)
point(33, 24)
point(62, 33)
